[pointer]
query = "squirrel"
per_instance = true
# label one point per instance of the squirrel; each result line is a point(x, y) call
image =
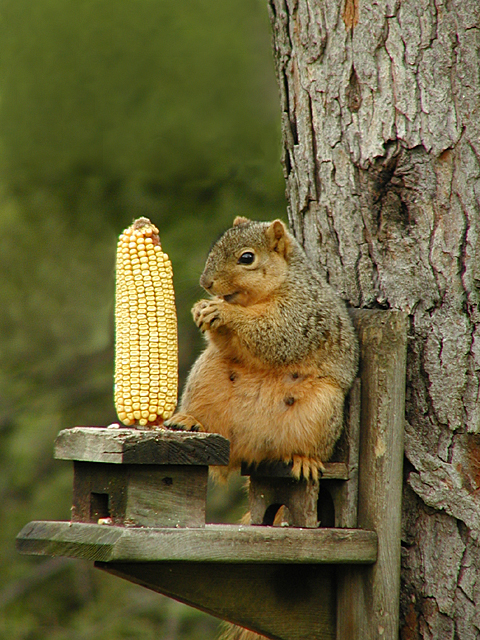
point(281, 352)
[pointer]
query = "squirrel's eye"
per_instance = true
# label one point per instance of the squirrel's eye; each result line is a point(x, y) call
point(247, 257)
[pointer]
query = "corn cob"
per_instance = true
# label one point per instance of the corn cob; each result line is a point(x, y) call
point(146, 348)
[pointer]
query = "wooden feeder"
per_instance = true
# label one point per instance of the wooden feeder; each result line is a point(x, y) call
point(333, 574)
point(145, 478)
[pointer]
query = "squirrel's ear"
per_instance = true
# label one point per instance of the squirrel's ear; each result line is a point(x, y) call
point(240, 220)
point(278, 238)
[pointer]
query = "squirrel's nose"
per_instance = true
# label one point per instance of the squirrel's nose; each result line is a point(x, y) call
point(205, 282)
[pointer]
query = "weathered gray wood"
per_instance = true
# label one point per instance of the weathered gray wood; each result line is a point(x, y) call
point(345, 494)
point(370, 598)
point(333, 470)
point(281, 602)
point(132, 446)
point(300, 498)
point(140, 494)
point(167, 496)
point(99, 491)
point(214, 543)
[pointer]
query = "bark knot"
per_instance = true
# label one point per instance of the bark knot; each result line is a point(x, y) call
point(353, 92)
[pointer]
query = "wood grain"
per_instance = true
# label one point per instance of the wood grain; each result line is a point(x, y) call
point(300, 498)
point(167, 496)
point(345, 494)
point(131, 446)
point(369, 599)
point(148, 495)
point(214, 543)
point(283, 602)
point(333, 470)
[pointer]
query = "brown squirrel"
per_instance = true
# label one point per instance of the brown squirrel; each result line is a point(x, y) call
point(281, 353)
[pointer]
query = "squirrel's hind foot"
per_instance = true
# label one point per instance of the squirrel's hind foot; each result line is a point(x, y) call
point(306, 468)
point(183, 422)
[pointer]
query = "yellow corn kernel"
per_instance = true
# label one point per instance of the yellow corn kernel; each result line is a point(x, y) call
point(144, 310)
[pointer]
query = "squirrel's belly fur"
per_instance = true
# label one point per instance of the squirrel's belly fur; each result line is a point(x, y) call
point(266, 414)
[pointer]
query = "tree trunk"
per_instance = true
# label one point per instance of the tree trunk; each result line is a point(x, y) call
point(380, 110)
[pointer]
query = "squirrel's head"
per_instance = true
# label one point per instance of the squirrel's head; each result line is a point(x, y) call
point(248, 262)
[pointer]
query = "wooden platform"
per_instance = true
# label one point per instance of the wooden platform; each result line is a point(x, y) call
point(213, 543)
point(139, 513)
point(279, 578)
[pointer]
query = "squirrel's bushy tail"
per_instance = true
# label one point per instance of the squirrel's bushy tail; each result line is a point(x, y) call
point(232, 632)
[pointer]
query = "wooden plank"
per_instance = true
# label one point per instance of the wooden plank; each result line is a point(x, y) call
point(167, 495)
point(280, 602)
point(132, 446)
point(369, 598)
point(214, 543)
point(266, 495)
point(140, 494)
point(70, 539)
point(333, 470)
point(92, 480)
point(345, 494)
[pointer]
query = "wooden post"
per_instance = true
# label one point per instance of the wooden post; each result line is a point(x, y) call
point(345, 492)
point(368, 597)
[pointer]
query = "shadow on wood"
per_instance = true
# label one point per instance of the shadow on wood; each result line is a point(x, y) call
point(292, 599)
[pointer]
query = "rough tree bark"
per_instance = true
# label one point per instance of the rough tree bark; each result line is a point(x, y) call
point(381, 126)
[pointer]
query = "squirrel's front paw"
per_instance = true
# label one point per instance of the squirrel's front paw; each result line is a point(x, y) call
point(304, 467)
point(183, 422)
point(206, 313)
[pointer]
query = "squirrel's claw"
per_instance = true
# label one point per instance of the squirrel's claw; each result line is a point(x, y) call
point(205, 313)
point(183, 422)
point(306, 468)
point(197, 310)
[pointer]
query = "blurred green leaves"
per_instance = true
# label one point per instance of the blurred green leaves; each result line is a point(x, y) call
point(109, 110)
point(161, 93)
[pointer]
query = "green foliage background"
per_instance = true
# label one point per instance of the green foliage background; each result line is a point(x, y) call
point(110, 109)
